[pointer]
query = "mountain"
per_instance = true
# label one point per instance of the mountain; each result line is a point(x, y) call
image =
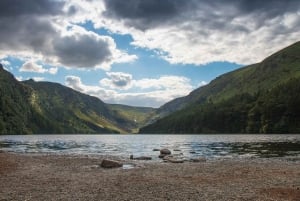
point(260, 98)
point(138, 116)
point(15, 110)
point(43, 107)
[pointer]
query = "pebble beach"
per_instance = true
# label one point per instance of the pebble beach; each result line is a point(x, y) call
point(81, 177)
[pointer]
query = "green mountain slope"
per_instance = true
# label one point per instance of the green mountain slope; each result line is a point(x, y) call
point(135, 116)
point(44, 107)
point(260, 98)
point(59, 109)
point(15, 110)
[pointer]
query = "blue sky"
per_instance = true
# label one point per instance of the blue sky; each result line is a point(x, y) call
point(140, 52)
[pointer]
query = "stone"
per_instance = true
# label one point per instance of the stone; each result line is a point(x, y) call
point(107, 163)
point(165, 151)
point(140, 158)
point(198, 160)
point(172, 159)
point(156, 150)
point(161, 155)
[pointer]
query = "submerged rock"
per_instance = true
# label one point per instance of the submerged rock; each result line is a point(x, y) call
point(140, 158)
point(107, 163)
point(156, 150)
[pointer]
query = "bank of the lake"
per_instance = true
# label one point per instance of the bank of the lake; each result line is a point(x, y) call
point(79, 177)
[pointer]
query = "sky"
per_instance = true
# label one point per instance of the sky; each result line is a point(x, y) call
point(140, 52)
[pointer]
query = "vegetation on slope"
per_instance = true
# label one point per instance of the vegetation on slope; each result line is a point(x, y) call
point(15, 110)
point(45, 108)
point(260, 98)
point(135, 116)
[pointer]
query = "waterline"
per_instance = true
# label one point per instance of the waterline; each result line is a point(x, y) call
point(209, 146)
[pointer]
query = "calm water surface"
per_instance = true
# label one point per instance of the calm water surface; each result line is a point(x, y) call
point(210, 146)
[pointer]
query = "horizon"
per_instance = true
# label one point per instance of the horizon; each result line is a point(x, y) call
point(140, 52)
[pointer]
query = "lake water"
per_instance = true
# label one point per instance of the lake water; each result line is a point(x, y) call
point(191, 146)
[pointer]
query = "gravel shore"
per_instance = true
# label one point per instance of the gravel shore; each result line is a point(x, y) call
point(66, 177)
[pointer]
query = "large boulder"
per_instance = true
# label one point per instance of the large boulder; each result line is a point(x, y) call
point(107, 163)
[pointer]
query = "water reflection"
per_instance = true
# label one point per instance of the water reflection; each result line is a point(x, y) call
point(216, 146)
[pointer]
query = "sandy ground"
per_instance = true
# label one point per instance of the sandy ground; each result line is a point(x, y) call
point(56, 177)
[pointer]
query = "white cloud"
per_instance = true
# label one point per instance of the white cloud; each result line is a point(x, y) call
point(38, 79)
point(19, 78)
point(158, 91)
point(5, 62)
point(202, 83)
point(200, 32)
point(117, 80)
point(31, 66)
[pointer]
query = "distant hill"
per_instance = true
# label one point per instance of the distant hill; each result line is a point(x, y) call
point(45, 108)
point(260, 98)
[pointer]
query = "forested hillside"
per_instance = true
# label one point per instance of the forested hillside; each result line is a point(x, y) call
point(31, 107)
point(260, 98)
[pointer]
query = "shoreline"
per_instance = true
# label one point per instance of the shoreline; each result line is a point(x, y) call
point(80, 177)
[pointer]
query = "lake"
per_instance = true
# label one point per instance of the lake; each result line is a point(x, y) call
point(210, 146)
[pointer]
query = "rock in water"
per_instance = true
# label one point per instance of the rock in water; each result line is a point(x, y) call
point(165, 152)
point(140, 158)
point(107, 163)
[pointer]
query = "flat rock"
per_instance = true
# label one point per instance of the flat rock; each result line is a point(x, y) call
point(107, 163)
point(156, 150)
point(172, 159)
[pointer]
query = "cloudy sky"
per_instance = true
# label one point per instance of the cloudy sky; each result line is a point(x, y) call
point(140, 52)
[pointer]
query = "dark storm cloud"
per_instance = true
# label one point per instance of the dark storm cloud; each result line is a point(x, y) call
point(82, 50)
point(271, 8)
point(145, 14)
point(30, 7)
point(27, 27)
point(22, 33)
